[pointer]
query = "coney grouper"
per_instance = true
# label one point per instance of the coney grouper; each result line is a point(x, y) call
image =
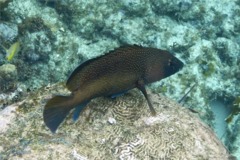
point(111, 75)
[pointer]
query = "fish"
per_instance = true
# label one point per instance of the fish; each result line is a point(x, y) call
point(235, 110)
point(110, 75)
point(13, 50)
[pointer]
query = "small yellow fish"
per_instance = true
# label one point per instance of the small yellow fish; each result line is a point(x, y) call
point(14, 49)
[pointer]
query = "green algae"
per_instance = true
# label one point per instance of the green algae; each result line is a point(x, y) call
point(163, 89)
point(208, 68)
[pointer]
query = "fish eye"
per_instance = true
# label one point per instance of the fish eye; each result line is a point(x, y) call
point(170, 62)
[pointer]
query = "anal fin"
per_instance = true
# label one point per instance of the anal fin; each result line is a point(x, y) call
point(78, 110)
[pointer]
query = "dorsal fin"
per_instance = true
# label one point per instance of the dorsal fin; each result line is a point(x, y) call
point(72, 82)
point(123, 49)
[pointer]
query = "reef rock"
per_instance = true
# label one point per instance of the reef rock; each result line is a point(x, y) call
point(8, 77)
point(120, 128)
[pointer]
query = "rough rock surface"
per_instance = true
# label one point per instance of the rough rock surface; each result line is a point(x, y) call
point(8, 77)
point(120, 128)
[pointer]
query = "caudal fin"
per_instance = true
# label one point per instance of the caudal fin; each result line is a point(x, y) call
point(56, 110)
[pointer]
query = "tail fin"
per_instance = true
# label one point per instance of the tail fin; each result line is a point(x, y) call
point(56, 110)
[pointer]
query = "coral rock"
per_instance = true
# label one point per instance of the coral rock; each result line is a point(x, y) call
point(120, 128)
point(8, 77)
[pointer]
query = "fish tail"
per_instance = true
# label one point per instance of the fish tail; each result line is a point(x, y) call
point(56, 110)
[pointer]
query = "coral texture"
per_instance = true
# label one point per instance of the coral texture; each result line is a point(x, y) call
point(120, 128)
point(8, 77)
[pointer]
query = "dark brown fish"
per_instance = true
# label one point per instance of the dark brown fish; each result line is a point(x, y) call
point(111, 74)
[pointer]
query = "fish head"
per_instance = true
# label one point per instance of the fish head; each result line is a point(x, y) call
point(160, 65)
point(172, 65)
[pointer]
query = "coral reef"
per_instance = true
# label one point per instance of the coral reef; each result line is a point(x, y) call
point(8, 77)
point(122, 128)
point(8, 33)
point(56, 36)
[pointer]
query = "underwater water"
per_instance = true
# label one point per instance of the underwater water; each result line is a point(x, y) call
point(43, 41)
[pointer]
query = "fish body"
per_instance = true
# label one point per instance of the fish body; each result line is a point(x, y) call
point(235, 110)
point(112, 74)
point(13, 50)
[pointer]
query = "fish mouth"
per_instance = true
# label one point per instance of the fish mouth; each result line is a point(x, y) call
point(175, 66)
point(181, 64)
point(178, 64)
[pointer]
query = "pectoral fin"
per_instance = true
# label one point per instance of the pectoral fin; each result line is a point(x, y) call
point(141, 87)
point(117, 94)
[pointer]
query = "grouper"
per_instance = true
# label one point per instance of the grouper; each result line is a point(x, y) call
point(111, 75)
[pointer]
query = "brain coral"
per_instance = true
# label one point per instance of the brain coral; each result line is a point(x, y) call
point(120, 128)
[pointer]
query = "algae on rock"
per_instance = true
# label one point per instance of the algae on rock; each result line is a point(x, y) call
point(8, 77)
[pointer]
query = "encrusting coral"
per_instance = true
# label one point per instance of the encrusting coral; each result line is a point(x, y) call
point(120, 128)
